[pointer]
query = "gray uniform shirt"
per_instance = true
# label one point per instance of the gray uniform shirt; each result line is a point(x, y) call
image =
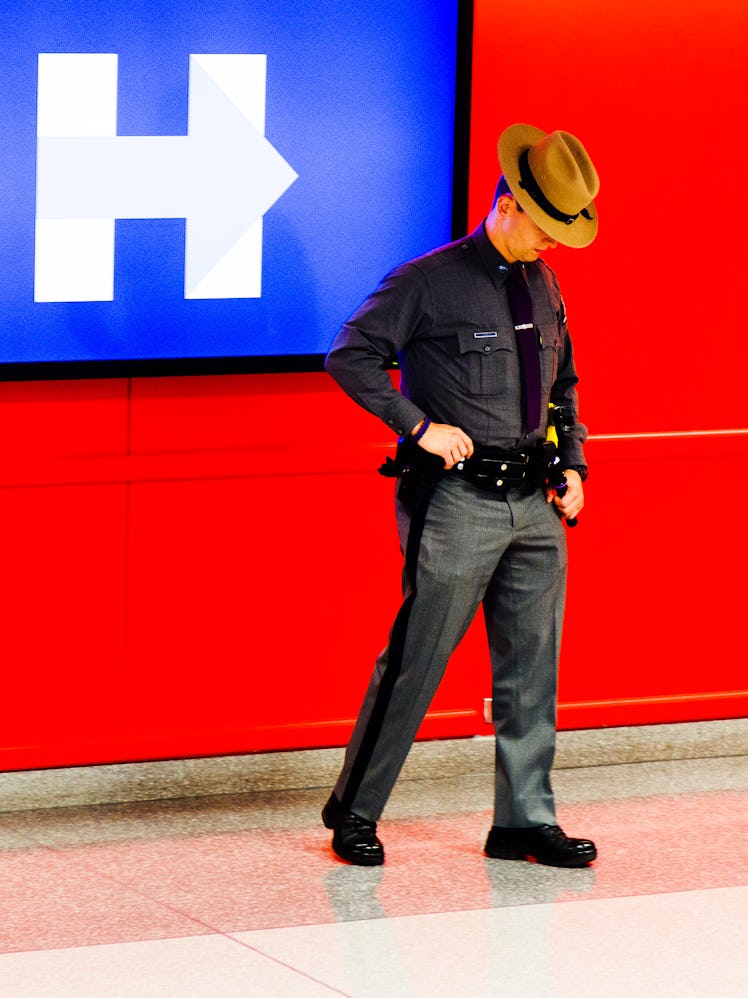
point(445, 317)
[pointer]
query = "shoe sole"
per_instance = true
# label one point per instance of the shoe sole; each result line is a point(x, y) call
point(519, 854)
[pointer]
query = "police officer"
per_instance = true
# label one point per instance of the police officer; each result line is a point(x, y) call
point(479, 329)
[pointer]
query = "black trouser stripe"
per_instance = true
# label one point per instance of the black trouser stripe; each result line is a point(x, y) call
point(394, 662)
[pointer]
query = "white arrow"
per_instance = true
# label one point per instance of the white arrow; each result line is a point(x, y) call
point(221, 177)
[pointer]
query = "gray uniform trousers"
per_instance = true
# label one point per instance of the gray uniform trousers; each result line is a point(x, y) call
point(463, 548)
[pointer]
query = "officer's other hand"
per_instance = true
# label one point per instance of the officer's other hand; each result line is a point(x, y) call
point(570, 505)
point(450, 442)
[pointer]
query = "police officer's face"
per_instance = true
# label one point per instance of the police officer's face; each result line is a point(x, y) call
point(525, 240)
point(517, 236)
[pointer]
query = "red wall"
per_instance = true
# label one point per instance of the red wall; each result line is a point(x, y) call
point(209, 565)
point(654, 625)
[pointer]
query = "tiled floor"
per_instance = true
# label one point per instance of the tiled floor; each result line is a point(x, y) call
point(240, 895)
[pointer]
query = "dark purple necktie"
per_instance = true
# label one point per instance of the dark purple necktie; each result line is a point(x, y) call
point(520, 305)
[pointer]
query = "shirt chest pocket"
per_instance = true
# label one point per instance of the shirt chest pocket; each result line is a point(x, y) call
point(488, 360)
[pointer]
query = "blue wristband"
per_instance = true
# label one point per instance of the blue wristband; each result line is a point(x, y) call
point(415, 437)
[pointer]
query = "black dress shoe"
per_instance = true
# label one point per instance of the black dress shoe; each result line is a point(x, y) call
point(354, 839)
point(546, 844)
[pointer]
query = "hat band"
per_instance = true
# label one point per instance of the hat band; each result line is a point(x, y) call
point(529, 184)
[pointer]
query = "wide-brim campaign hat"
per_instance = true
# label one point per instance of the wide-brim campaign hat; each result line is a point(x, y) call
point(552, 178)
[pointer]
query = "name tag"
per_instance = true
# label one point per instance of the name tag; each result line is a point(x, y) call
point(488, 335)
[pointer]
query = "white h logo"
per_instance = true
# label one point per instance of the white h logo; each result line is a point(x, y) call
point(221, 177)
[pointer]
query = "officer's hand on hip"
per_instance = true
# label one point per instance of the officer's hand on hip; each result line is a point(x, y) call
point(571, 503)
point(450, 442)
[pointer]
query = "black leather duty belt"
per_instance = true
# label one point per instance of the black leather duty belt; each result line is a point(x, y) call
point(496, 470)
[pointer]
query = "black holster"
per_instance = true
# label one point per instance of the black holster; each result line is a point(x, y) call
point(418, 471)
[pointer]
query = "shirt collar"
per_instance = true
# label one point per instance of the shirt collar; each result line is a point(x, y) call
point(493, 261)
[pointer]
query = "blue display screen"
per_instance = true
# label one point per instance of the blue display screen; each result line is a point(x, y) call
point(215, 180)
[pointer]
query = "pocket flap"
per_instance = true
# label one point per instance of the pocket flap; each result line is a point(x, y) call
point(485, 340)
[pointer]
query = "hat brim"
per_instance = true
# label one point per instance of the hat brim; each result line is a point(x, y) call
point(513, 141)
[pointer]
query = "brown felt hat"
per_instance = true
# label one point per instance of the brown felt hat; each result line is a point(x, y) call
point(553, 180)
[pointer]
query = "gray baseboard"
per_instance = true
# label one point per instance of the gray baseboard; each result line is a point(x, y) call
point(278, 771)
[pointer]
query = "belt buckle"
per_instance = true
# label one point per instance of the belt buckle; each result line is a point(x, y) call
point(505, 466)
point(500, 467)
point(496, 473)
